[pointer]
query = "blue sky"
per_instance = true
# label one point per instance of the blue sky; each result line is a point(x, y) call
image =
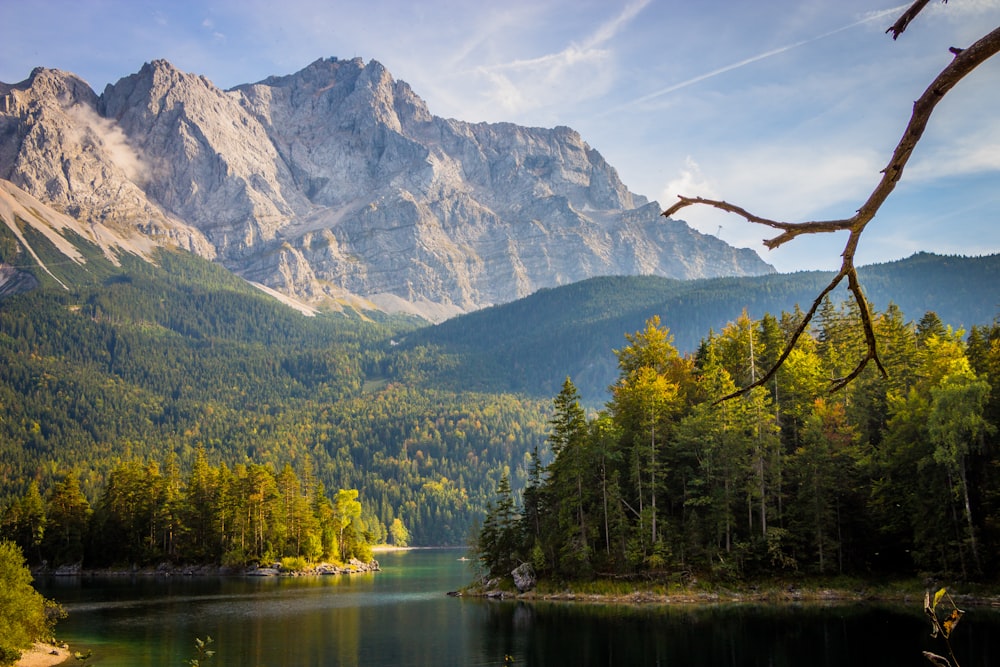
point(789, 108)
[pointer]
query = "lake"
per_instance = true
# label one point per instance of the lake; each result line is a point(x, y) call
point(402, 616)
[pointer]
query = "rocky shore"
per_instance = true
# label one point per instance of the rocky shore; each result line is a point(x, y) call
point(524, 585)
point(353, 566)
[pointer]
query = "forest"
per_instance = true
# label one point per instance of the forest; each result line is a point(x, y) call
point(138, 369)
point(888, 476)
point(148, 514)
point(150, 362)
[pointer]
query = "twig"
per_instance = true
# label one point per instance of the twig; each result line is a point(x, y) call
point(903, 21)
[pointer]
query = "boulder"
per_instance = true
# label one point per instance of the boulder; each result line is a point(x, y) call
point(524, 577)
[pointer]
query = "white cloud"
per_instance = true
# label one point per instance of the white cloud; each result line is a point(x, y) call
point(782, 183)
point(610, 29)
point(960, 10)
point(798, 182)
point(690, 182)
point(967, 157)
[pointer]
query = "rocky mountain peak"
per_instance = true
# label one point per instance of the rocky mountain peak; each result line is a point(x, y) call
point(337, 182)
point(45, 88)
point(156, 84)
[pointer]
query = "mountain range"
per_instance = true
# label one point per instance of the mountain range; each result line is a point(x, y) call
point(337, 187)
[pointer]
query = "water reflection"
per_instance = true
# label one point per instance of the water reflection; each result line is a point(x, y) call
point(727, 635)
point(402, 617)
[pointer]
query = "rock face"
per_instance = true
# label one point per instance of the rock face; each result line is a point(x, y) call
point(55, 145)
point(337, 181)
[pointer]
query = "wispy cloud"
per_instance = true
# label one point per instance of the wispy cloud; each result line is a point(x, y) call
point(580, 70)
point(609, 30)
point(589, 47)
point(868, 18)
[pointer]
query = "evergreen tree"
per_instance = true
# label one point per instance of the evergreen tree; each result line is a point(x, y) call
point(498, 541)
point(569, 488)
point(25, 522)
point(68, 517)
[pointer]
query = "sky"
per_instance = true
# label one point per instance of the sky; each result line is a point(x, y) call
point(788, 108)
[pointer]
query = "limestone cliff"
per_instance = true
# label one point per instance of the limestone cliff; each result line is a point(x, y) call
point(337, 182)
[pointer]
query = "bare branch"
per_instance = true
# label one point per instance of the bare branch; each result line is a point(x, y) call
point(965, 61)
point(790, 345)
point(868, 326)
point(903, 21)
point(791, 229)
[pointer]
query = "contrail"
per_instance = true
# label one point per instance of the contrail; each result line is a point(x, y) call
point(761, 56)
point(593, 42)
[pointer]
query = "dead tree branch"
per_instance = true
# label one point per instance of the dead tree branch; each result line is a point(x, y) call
point(964, 62)
point(903, 21)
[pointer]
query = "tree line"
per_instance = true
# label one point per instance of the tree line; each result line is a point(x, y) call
point(148, 513)
point(896, 475)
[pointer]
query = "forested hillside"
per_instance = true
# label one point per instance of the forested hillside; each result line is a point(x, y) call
point(531, 345)
point(140, 363)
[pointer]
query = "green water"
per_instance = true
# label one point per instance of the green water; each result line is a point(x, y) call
point(402, 616)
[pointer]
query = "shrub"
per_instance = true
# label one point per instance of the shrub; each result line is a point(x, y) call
point(294, 564)
point(25, 616)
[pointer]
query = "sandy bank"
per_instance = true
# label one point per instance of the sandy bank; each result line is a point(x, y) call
point(43, 655)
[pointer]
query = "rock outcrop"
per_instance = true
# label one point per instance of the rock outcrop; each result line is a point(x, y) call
point(524, 577)
point(337, 182)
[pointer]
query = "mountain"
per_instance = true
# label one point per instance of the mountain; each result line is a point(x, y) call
point(533, 344)
point(336, 185)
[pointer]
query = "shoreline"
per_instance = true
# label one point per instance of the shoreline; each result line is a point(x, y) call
point(45, 655)
point(353, 566)
point(642, 598)
point(774, 594)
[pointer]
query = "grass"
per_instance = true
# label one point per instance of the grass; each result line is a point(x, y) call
point(770, 590)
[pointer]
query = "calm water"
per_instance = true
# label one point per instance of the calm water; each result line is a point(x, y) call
point(401, 616)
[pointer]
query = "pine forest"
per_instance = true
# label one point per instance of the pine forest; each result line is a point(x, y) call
point(893, 476)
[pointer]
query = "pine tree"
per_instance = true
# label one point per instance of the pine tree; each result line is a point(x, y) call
point(498, 543)
point(68, 517)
